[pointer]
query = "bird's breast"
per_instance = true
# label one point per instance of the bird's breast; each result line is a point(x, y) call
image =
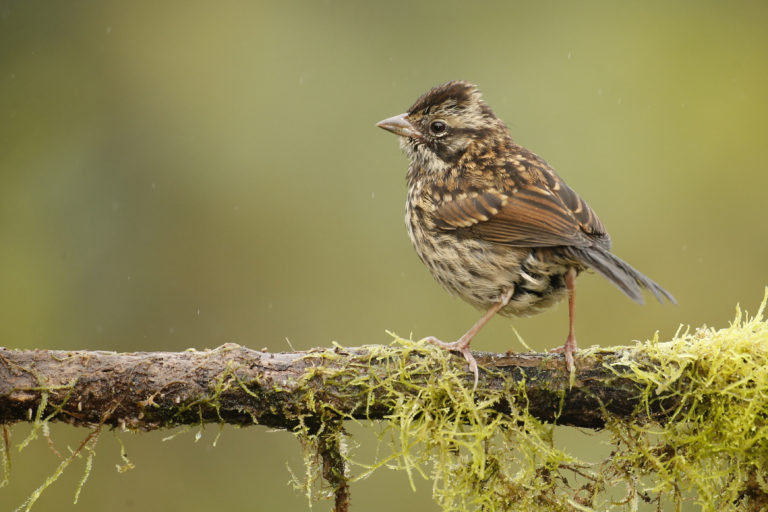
point(481, 272)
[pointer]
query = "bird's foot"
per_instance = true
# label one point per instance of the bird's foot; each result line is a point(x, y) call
point(568, 349)
point(461, 346)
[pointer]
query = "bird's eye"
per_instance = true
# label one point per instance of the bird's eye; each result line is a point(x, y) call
point(438, 127)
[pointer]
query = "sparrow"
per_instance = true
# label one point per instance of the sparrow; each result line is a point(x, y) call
point(492, 221)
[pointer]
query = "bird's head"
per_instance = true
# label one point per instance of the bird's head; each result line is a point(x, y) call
point(443, 123)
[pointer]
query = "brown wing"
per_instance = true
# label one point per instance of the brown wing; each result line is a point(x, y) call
point(533, 215)
point(587, 219)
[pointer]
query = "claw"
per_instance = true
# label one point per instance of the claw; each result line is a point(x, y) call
point(461, 346)
point(472, 366)
point(568, 350)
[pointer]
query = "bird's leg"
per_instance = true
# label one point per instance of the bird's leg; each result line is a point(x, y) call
point(570, 342)
point(462, 344)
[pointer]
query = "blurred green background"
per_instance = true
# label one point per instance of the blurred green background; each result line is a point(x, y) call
point(185, 174)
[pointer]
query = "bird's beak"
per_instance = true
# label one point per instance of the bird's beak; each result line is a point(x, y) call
point(400, 125)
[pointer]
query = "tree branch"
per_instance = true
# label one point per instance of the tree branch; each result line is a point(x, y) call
point(233, 384)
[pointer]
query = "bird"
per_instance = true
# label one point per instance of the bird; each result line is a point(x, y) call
point(493, 222)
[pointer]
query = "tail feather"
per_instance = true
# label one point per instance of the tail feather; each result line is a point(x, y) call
point(620, 273)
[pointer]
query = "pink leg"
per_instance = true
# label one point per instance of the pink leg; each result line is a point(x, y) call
point(462, 345)
point(570, 342)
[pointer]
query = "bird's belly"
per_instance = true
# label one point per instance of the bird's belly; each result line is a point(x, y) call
point(482, 272)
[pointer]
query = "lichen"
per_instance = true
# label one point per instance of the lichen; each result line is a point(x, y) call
point(709, 450)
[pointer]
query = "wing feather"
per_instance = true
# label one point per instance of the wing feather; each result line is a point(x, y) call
point(533, 215)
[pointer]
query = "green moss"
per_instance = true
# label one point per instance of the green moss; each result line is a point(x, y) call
point(715, 444)
point(711, 449)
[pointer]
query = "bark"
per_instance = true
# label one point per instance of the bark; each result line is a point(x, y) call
point(233, 384)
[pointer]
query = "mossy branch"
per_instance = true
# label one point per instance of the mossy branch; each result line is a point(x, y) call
point(233, 384)
point(687, 418)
